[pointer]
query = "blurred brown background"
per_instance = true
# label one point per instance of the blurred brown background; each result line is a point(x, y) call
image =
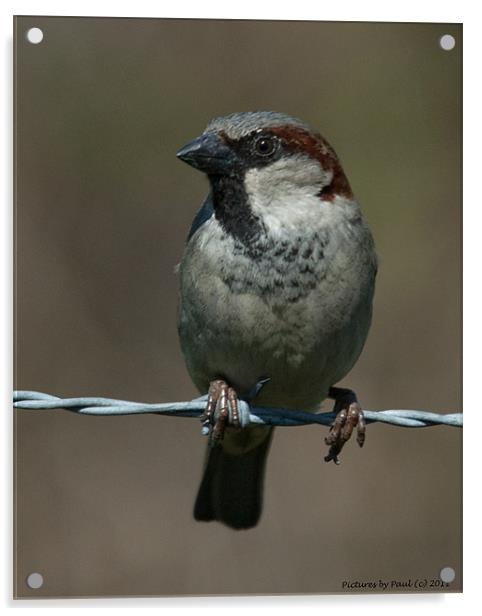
point(104, 504)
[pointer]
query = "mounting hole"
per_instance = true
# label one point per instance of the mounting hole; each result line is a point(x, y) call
point(447, 42)
point(35, 580)
point(34, 36)
point(447, 575)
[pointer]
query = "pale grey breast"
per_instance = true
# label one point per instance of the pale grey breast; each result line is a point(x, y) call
point(295, 309)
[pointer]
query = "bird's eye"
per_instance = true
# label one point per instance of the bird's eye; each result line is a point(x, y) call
point(265, 146)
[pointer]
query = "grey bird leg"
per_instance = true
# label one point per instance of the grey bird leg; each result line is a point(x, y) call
point(221, 409)
point(348, 415)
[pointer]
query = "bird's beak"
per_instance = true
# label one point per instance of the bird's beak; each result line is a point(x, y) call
point(209, 154)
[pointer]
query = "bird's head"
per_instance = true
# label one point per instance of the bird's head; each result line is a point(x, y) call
point(266, 167)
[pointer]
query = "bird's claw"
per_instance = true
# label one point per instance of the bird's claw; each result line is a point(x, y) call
point(347, 418)
point(221, 409)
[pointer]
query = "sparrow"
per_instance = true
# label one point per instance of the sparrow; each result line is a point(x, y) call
point(276, 286)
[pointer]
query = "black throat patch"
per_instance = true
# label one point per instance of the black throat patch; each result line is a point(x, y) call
point(232, 209)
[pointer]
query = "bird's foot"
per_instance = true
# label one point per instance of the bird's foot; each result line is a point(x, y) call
point(349, 415)
point(221, 409)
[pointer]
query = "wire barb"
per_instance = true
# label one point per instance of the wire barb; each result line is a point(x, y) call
point(251, 415)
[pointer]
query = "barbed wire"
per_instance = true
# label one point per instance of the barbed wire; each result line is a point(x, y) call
point(34, 400)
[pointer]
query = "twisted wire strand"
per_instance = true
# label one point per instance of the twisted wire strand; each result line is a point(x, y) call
point(35, 400)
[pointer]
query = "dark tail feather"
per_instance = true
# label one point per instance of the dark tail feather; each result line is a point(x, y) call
point(231, 490)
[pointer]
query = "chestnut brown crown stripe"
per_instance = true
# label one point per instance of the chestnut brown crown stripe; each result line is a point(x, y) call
point(298, 140)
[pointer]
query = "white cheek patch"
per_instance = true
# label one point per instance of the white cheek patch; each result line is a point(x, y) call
point(286, 192)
